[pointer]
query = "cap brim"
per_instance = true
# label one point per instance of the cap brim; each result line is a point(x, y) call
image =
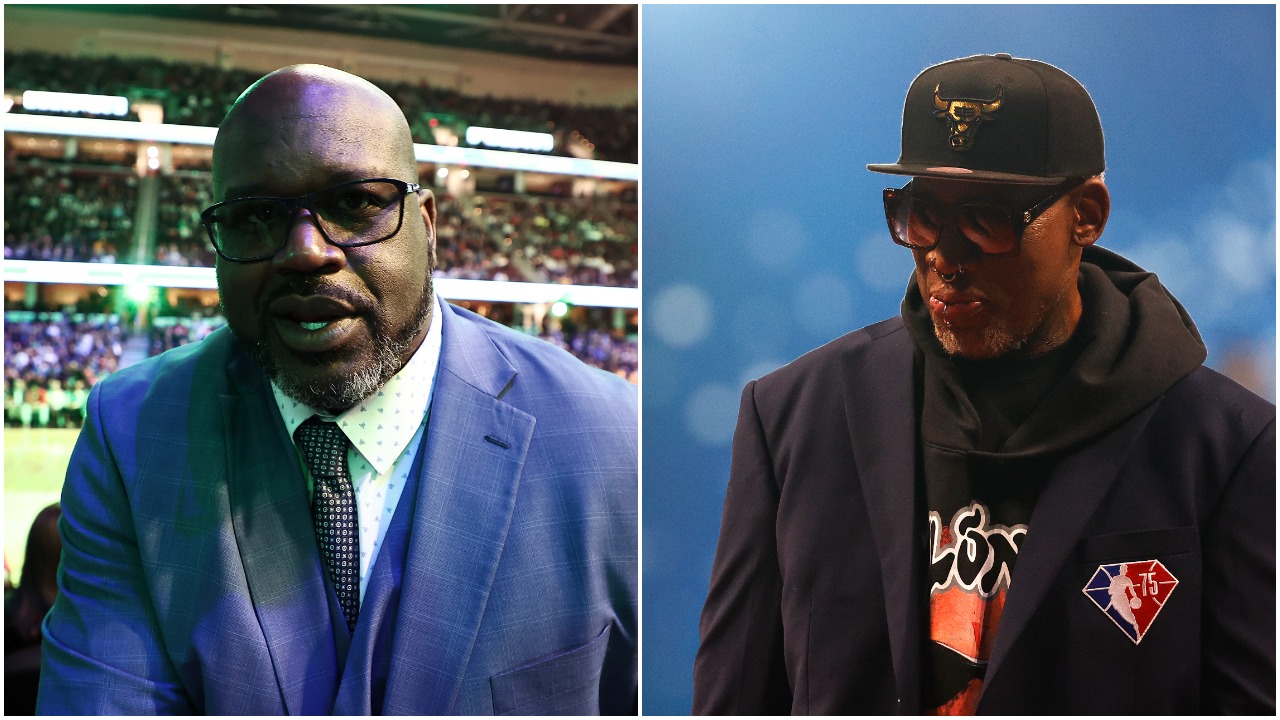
point(958, 173)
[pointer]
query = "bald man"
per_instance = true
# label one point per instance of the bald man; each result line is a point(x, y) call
point(356, 498)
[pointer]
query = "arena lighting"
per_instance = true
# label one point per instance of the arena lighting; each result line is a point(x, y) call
point(138, 292)
point(524, 292)
point(78, 273)
point(110, 129)
point(550, 164)
point(41, 100)
point(559, 308)
point(435, 154)
point(510, 139)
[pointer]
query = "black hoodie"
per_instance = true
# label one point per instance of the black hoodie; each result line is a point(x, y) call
point(991, 432)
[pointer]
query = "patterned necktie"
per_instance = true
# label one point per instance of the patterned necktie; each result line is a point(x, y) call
point(333, 509)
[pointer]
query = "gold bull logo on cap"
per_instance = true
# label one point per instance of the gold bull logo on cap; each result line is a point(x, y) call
point(963, 115)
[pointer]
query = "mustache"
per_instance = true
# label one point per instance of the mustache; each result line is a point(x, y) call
point(311, 285)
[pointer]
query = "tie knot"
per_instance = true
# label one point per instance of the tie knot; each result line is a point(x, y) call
point(324, 446)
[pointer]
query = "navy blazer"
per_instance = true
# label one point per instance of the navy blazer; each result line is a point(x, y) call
point(818, 598)
point(191, 579)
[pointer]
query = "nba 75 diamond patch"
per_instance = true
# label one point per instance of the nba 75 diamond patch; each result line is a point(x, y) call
point(1131, 594)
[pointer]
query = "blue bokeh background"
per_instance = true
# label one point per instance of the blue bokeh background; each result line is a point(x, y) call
point(764, 236)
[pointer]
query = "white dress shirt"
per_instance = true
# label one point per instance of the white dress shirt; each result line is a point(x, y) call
point(385, 431)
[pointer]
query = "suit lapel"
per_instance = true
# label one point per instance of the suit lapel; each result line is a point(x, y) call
point(271, 515)
point(880, 406)
point(475, 447)
point(1070, 498)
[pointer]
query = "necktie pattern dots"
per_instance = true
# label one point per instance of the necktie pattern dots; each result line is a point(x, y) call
point(333, 510)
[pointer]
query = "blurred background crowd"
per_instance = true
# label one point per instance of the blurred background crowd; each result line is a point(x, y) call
point(193, 94)
point(50, 363)
point(68, 212)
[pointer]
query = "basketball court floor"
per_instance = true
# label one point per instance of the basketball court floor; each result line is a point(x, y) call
point(35, 463)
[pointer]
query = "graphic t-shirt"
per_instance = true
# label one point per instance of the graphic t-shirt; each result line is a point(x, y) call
point(973, 550)
point(979, 510)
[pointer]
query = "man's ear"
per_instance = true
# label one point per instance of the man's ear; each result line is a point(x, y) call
point(427, 205)
point(1093, 207)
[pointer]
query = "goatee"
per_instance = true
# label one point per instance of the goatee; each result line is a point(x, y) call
point(345, 390)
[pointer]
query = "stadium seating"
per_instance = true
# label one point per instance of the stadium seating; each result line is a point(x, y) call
point(193, 94)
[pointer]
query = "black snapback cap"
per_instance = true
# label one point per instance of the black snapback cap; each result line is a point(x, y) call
point(1000, 119)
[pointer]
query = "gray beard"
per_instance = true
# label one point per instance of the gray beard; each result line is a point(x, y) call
point(337, 395)
point(998, 339)
point(344, 392)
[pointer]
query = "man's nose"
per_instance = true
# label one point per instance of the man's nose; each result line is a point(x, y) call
point(953, 249)
point(305, 249)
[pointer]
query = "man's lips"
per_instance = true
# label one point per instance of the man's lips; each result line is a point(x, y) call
point(310, 308)
point(955, 310)
point(313, 323)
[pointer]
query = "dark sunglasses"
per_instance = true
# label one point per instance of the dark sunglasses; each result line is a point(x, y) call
point(916, 220)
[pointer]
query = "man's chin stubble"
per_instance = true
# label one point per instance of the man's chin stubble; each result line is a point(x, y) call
point(338, 391)
point(997, 340)
point(342, 391)
point(994, 341)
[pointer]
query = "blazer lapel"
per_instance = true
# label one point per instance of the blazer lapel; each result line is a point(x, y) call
point(880, 406)
point(1069, 499)
point(271, 515)
point(475, 448)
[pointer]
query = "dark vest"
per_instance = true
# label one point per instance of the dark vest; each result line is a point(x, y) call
point(365, 658)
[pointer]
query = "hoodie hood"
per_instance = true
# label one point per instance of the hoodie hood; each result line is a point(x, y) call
point(1134, 341)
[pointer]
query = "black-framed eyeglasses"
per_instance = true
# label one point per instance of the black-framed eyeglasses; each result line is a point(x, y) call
point(916, 220)
point(349, 214)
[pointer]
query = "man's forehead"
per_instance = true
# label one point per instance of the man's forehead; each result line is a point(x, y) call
point(302, 160)
point(306, 128)
point(301, 146)
point(306, 109)
point(261, 181)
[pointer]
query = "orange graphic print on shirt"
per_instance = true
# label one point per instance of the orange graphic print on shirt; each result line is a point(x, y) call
point(971, 565)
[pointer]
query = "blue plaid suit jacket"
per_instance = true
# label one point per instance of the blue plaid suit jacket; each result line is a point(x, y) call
point(191, 580)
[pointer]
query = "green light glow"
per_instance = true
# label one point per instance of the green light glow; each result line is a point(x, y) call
point(139, 293)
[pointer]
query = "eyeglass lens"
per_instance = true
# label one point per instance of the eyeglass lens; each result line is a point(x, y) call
point(917, 222)
point(356, 213)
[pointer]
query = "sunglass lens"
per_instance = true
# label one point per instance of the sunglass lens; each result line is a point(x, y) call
point(915, 222)
point(990, 228)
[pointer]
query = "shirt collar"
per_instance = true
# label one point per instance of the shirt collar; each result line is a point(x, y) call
point(381, 426)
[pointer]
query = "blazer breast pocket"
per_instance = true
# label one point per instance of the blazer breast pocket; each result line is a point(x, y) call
point(566, 682)
point(1139, 545)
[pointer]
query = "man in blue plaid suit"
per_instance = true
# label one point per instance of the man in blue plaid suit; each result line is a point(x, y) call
point(492, 477)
